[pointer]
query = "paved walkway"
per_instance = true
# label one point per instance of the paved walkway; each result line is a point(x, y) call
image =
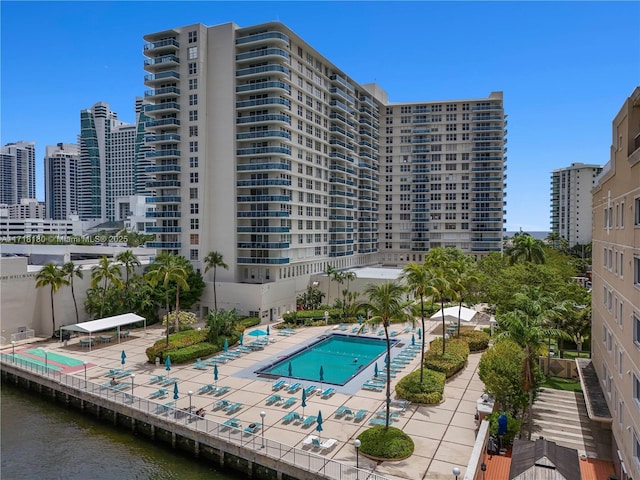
point(444, 435)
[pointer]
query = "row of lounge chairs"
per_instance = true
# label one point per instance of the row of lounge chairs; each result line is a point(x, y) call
point(228, 406)
point(294, 387)
point(212, 389)
point(275, 399)
point(357, 416)
point(314, 442)
point(297, 418)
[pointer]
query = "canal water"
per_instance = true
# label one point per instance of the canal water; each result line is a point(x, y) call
point(41, 439)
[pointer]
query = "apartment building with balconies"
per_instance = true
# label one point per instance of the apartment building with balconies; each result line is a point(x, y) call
point(615, 333)
point(571, 202)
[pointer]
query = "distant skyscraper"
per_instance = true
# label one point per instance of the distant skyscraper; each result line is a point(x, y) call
point(108, 160)
point(571, 202)
point(17, 172)
point(60, 180)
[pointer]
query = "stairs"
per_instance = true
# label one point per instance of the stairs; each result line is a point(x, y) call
point(561, 417)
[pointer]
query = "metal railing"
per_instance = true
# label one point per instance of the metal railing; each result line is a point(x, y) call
point(28, 333)
point(297, 457)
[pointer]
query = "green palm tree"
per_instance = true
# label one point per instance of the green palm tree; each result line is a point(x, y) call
point(330, 275)
point(165, 269)
point(462, 279)
point(526, 327)
point(71, 271)
point(107, 272)
point(53, 277)
point(418, 279)
point(130, 262)
point(553, 239)
point(346, 277)
point(386, 303)
point(214, 260)
point(526, 248)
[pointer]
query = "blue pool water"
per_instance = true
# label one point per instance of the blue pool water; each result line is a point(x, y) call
point(341, 357)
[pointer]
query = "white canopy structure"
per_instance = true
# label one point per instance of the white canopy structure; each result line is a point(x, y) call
point(106, 323)
point(451, 315)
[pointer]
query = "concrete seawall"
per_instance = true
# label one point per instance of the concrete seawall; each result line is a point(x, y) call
point(256, 457)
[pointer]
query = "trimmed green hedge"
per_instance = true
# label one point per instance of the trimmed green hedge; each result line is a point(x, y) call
point(389, 443)
point(192, 352)
point(307, 317)
point(430, 392)
point(477, 340)
point(176, 341)
point(247, 322)
point(453, 360)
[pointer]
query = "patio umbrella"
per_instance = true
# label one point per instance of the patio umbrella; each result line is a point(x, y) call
point(321, 377)
point(215, 374)
point(257, 333)
point(290, 370)
point(413, 339)
point(175, 391)
point(241, 338)
point(226, 345)
point(304, 401)
point(268, 331)
point(167, 362)
point(360, 319)
point(123, 356)
point(419, 334)
point(375, 370)
point(319, 420)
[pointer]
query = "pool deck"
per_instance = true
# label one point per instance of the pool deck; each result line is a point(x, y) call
point(444, 434)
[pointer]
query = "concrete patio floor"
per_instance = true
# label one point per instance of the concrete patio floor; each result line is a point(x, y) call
point(444, 434)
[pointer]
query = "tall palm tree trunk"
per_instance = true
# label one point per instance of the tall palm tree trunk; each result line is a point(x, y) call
point(166, 298)
point(215, 294)
point(388, 402)
point(75, 303)
point(53, 312)
point(423, 342)
point(443, 324)
point(176, 325)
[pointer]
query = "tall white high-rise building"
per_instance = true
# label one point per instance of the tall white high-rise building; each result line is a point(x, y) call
point(443, 172)
point(571, 202)
point(270, 154)
point(60, 180)
point(17, 172)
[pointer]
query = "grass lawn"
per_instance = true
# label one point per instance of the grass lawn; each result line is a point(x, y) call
point(558, 383)
point(572, 355)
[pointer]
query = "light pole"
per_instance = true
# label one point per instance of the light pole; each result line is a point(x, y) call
point(13, 351)
point(483, 467)
point(262, 415)
point(456, 472)
point(85, 374)
point(357, 443)
point(133, 375)
point(190, 392)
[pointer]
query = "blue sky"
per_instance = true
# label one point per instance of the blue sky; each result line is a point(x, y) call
point(565, 68)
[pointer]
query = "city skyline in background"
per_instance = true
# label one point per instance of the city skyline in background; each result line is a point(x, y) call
point(564, 68)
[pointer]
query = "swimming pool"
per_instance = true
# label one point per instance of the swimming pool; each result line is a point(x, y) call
point(340, 356)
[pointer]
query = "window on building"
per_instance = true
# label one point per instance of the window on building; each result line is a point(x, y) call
point(636, 330)
point(193, 162)
point(193, 193)
point(193, 84)
point(193, 115)
point(636, 390)
point(193, 36)
point(636, 448)
point(636, 271)
point(193, 68)
point(193, 130)
point(193, 177)
point(193, 53)
point(193, 99)
point(195, 209)
point(195, 224)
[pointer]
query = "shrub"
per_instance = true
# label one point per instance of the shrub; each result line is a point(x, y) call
point(453, 360)
point(192, 352)
point(429, 392)
point(185, 320)
point(476, 339)
point(176, 340)
point(247, 322)
point(308, 317)
point(389, 443)
point(513, 427)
